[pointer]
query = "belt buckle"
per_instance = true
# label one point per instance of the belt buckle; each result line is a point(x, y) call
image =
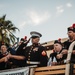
point(28, 62)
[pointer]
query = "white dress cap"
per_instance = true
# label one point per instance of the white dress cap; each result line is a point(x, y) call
point(35, 34)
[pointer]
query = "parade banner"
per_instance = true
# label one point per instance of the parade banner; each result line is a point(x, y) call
point(20, 71)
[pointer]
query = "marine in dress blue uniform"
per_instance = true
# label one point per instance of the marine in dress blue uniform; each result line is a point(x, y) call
point(35, 54)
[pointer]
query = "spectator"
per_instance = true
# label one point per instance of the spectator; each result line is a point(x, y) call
point(20, 51)
point(71, 35)
point(56, 57)
point(5, 62)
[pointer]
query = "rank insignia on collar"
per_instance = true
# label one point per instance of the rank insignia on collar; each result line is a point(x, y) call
point(35, 49)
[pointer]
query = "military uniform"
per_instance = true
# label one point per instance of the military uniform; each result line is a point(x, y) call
point(36, 55)
point(20, 51)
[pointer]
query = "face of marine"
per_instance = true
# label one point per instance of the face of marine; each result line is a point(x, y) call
point(35, 40)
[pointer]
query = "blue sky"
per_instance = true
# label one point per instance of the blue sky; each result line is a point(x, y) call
point(49, 17)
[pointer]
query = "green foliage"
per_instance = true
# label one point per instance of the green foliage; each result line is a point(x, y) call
point(7, 29)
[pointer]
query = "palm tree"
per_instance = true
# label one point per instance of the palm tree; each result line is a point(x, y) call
point(6, 31)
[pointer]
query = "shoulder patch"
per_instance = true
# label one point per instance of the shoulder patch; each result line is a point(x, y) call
point(44, 53)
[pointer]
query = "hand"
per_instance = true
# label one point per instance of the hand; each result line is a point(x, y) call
point(59, 56)
point(73, 51)
point(64, 51)
point(4, 59)
point(9, 56)
point(53, 63)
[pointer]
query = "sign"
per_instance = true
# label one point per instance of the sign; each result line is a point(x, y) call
point(17, 71)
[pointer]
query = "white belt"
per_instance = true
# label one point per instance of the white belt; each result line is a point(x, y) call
point(32, 62)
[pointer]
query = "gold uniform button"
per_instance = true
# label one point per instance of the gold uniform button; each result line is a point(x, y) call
point(28, 62)
point(28, 59)
point(29, 53)
point(29, 56)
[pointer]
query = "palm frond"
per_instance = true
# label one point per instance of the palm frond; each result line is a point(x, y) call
point(9, 29)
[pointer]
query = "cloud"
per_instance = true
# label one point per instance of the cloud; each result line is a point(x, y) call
point(69, 5)
point(22, 25)
point(34, 18)
point(2, 6)
point(37, 18)
point(59, 10)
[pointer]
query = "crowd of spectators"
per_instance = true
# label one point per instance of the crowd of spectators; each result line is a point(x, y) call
point(23, 55)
